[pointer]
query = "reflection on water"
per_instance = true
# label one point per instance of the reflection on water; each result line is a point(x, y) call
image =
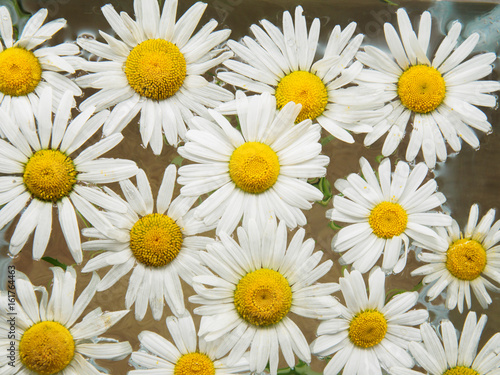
point(467, 178)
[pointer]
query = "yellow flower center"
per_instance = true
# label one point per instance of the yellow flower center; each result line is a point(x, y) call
point(263, 297)
point(49, 175)
point(388, 219)
point(155, 69)
point(155, 240)
point(194, 364)
point(421, 88)
point(466, 259)
point(460, 370)
point(254, 167)
point(20, 71)
point(368, 328)
point(46, 348)
point(304, 88)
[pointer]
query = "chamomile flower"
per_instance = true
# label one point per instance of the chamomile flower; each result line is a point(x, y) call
point(446, 355)
point(282, 64)
point(188, 355)
point(37, 166)
point(160, 246)
point(385, 212)
point(370, 335)
point(468, 260)
point(47, 338)
point(260, 281)
point(155, 69)
point(26, 71)
point(438, 96)
point(259, 172)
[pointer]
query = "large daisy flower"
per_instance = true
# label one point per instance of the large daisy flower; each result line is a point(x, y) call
point(385, 214)
point(370, 335)
point(160, 246)
point(258, 172)
point(36, 165)
point(46, 339)
point(282, 64)
point(468, 258)
point(158, 355)
point(438, 96)
point(155, 69)
point(446, 355)
point(260, 281)
point(25, 70)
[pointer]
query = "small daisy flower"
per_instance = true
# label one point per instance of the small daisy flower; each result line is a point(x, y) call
point(260, 281)
point(438, 96)
point(465, 263)
point(282, 64)
point(36, 166)
point(370, 335)
point(155, 69)
point(385, 214)
point(47, 338)
point(256, 173)
point(188, 355)
point(160, 246)
point(446, 355)
point(26, 71)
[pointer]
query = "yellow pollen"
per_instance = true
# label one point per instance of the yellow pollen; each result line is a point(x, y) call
point(304, 88)
point(254, 167)
point(155, 69)
point(421, 88)
point(20, 71)
point(368, 328)
point(194, 364)
point(49, 175)
point(460, 370)
point(46, 348)
point(155, 240)
point(263, 297)
point(388, 219)
point(466, 259)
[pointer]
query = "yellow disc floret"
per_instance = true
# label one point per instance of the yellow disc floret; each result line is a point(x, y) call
point(388, 219)
point(155, 240)
point(460, 370)
point(303, 88)
point(46, 348)
point(194, 364)
point(254, 167)
point(20, 71)
point(49, 175)
point(263, 297)
point(155, 69)
point(368, 328)
point(421, 88)
point(466, 259)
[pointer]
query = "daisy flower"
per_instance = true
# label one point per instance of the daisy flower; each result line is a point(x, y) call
point(445, 355)
point(385, 214)
point(26, 71)
point(260, 281)
point(258, 172)
point(282, 64)
point(36, 166)
point(47, 340)
point(155, 69)
point(370, 335)
point(467, 259)
point(160, 246)
point(438, 96)
point(182, 357)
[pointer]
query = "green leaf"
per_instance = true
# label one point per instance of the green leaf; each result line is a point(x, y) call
point(326, 140)
point(301, 368)
point(389, 2)
point(55, 262)
point(379, 158)
point(334, 225)
point(178, 160)
point(394, 292)
point(325, 187)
